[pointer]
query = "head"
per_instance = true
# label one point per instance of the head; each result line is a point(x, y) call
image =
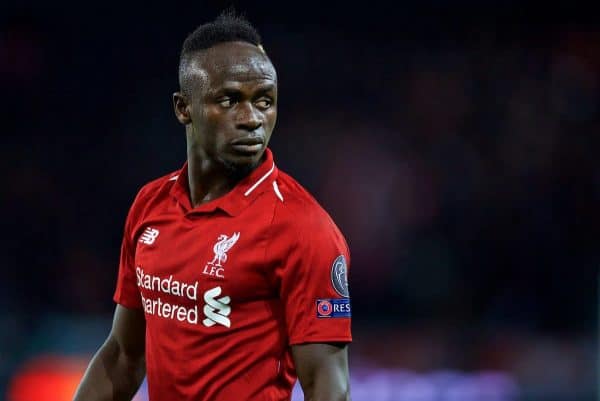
point(228, 94)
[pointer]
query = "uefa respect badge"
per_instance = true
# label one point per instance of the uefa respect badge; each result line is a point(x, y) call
point(333, 307)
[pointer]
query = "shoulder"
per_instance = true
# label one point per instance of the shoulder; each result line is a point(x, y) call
point(298, 204)
point(151, 194)
point(302, 214)
point(156, 187)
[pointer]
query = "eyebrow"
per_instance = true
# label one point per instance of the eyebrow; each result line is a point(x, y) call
point(233, 89)
point(266, 85)
point(266, 88)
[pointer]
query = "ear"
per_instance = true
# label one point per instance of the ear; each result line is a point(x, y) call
point(182, 112)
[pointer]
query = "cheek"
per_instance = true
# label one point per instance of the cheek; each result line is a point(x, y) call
point(215, 127)
point(271, 118)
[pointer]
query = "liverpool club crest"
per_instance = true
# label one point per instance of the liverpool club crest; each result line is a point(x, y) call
point(222, 246)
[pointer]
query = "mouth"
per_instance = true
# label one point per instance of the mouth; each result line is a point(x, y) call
point(247, 146)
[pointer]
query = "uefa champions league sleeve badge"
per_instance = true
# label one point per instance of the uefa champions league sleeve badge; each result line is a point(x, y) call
point(339, 276)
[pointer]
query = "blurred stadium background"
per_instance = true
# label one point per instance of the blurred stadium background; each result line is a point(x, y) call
point(455, 143)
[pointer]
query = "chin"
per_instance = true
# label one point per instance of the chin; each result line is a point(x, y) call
point(240, 167)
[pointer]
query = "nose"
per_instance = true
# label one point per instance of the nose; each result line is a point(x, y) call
point(248, 117)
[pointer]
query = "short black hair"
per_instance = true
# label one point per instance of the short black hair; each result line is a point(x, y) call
point(227, 27)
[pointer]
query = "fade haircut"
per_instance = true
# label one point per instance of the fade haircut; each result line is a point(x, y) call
point(227, 27)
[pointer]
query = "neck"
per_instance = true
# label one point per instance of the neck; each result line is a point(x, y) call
point(210, 179)
point(207, 180)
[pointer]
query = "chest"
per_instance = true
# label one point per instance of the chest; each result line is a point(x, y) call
point(175, 254)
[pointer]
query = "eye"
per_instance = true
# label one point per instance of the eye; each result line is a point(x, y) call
point(226, 102)
point(264, 103)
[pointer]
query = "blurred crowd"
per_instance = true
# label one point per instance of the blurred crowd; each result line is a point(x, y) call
point(460, 165)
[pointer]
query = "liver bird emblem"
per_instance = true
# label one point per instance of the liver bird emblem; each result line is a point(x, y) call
point(223, 245)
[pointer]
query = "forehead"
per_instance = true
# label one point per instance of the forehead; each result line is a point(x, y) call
point(233, 62)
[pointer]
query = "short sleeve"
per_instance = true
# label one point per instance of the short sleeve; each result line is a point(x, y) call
point(314, 282)
point(127, 292)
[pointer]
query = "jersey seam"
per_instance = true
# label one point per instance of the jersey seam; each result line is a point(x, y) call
point(269, 234)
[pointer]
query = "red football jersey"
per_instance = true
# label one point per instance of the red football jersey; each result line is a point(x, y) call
point(229, 285)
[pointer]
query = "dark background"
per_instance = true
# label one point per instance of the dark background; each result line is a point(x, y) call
point(454, 143)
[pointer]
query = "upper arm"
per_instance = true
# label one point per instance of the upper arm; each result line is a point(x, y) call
point(314, 292)
point(118, 368)
point(129, 331)
point(323, 371)
point(312, 280)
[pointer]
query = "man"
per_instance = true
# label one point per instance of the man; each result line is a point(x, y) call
point(232, 279)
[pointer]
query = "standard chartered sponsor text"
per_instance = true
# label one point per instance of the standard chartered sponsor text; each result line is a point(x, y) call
point(157, 306)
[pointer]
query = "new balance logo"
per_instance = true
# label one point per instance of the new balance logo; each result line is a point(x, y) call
point(216, 310)
point(149, 236)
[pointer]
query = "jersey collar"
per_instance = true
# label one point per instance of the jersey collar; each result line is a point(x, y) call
point(236, 200)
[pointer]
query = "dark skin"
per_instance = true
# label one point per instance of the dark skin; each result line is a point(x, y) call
point(228, 105)
point(118, 368)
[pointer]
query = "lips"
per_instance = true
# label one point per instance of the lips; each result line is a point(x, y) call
point(247, 145)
